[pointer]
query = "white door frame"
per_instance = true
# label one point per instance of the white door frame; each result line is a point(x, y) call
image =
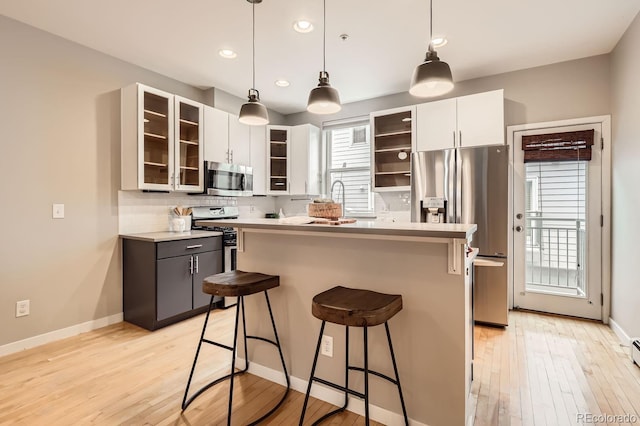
point(605, 121)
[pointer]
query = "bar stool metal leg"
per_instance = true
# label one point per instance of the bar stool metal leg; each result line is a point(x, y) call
point(395, 370)
point(313, 371)
point(284, 367)
point(195, 360)
point(233, 359)
point(366, 377)
point(186, 402)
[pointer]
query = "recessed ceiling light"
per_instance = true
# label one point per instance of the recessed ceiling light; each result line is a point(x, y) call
point(438, 42)
point(282, 83)
point(227, 53)
point(303, 26)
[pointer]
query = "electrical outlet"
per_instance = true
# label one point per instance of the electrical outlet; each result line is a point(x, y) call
point(22, 308)
point(252, 209)
point(58, 211)
point(327, 346)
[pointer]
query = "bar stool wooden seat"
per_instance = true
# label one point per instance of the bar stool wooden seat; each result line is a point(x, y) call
point(354, 308)
point(237, 284)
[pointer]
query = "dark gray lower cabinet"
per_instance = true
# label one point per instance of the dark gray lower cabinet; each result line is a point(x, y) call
point(162, 282)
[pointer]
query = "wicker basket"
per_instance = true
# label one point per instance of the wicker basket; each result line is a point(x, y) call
point(325, 210)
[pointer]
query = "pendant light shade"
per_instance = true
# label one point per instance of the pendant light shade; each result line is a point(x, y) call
point(432, 77)
point(324, 99)
point(253, 112)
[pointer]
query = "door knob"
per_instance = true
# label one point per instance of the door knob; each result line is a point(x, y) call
point(518, 228)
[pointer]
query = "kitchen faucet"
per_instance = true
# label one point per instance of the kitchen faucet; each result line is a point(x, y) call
point(343, 193)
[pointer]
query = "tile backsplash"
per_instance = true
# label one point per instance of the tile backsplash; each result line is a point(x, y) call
point(149, 211)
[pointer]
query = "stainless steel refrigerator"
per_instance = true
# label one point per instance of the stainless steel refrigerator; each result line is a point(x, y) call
point(471, 185)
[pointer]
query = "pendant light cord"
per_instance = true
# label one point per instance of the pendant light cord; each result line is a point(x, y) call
point(253, 9)
point(324, 36)
point(430, 24)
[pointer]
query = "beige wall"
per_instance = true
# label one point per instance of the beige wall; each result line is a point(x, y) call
point(625, 67)
point(571, 89)
point(60, 143)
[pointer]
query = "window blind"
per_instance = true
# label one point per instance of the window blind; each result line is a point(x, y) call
point(566, 146)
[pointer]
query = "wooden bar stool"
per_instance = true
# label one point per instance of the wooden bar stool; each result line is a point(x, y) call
point(354, 308)
point(237, 284)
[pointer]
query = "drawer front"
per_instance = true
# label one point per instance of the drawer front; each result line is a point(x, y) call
point(191, 246)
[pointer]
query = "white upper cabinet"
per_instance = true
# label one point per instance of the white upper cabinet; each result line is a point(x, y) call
point(293, 160)
point(472, 120)
point(226, 139)
point(216, 135)
point(481, 119)
point(259, 159)
point(305, 160)
point(239, 142)
point(161, 141)
point(436, 125)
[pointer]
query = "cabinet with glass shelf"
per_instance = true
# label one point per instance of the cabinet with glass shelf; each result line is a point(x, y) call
point(161, 143)
point(393, 141)
point(189, 145)
point(277, 161)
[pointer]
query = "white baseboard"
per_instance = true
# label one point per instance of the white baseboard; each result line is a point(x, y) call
point(63, 333)
point(329, 395)
point(622, 335)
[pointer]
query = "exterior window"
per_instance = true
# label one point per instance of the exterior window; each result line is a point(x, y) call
point(349, 161)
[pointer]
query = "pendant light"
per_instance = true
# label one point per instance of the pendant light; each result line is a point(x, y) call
point(253, 112)
point(324, 99)
point(432, 77)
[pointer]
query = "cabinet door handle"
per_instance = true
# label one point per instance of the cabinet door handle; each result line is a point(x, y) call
point(194, 246)
point(460, 138)
point(231, 156)
point(454, 138)
point(305, 187)
point(191, 265)
point(197, 264)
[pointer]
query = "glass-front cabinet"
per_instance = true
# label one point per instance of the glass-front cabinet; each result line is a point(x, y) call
point(393, 140)
point(157, 127)
point(189, 145)
point(277, 161)
point(162, 147)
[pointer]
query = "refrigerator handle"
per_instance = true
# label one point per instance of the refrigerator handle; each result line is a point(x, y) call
point(459, 187)
point(452, 202)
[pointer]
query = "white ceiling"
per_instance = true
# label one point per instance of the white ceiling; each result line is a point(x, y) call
point(387, 39)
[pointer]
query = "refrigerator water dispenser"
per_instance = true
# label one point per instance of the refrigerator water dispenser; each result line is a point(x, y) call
point(434, 210)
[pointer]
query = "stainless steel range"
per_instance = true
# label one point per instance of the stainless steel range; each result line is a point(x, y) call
point(229, 235)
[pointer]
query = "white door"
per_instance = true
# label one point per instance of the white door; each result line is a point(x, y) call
point(557, 238)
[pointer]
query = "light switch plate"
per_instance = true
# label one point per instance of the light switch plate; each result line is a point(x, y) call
point(58, 211)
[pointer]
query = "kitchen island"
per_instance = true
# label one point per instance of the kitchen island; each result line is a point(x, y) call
point(427, 264)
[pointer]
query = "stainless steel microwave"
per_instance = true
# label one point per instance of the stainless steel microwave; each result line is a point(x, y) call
point(230, 180)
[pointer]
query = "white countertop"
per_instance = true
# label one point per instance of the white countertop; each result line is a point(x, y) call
point(363, 227)
point(170, 236)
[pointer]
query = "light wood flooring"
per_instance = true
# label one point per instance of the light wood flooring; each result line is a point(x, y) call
point(541, 370)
